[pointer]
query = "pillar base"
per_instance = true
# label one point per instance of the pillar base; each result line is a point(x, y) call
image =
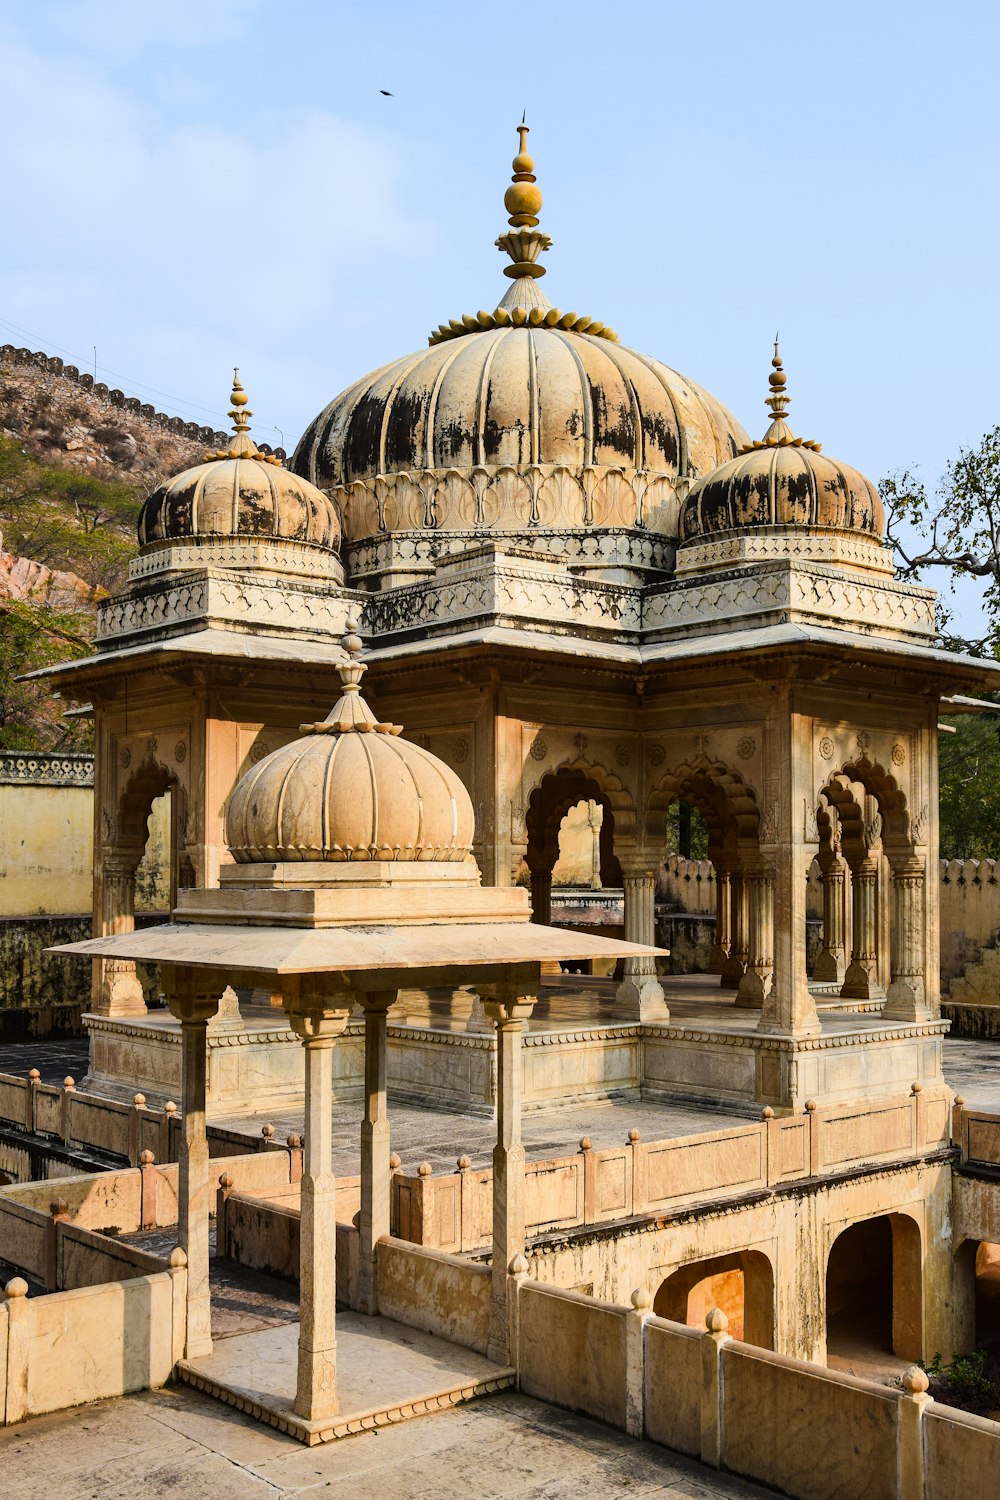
point(640, 998)
point(830, 968)
point(861, 983)
point(753, 990)
point(904, 1003)
point(120, 994)
point(716, 960)
point(732, 972)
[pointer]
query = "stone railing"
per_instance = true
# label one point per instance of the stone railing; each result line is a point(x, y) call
point(976, 1133)
point(807, 1431)
point(90, 1343)
point(43, 768)
point(66, 1114)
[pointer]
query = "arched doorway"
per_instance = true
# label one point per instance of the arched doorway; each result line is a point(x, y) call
point(874, 1291)
point(741, 1283)
point(556, 794)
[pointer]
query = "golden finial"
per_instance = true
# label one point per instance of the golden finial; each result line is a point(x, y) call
point(778, 400)
point(239, 399)
point(523, 198)
point(779, 434)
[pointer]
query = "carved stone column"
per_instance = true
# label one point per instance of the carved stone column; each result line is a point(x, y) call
point(735, 965)
point(723, 923)
point(906, 999)
point(640, 995)
point(755, 985)
point(508, 1012)
point(831, 965)
point(316, 1381)
point(861, 980)
point(193, 997)
point(373, 1222)
point(118, 992)
point(594, 823)
point(541, 897)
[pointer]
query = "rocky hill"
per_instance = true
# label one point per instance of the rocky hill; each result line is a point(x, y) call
point(76, 460)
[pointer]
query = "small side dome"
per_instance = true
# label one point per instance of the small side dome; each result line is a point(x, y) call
point(239, 493)
point(350, 789)
point(780, 482)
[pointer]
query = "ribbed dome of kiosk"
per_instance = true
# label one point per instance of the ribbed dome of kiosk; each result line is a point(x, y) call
point(240, 492)
point(349, 789)
point(525, 386)
point(782, 481)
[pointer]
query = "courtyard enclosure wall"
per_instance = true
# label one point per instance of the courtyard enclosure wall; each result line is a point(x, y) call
point(813, 1433)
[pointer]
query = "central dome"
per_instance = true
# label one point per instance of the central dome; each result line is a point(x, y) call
point(522, 418)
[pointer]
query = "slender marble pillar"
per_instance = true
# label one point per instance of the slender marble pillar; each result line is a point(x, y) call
point(906, 999)
point(508, 1012)
point(640, 995)
point(723, 923)
point(735, 965)
point(316, 1383)
point(831, 964)
point(193, 997)
point(861, 980)
point(375, 1173)
point(119, 992)
point(755, 984)
point(541, 896)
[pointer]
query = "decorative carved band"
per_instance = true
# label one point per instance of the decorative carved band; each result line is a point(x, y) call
point(509, 500)
point(41, 769)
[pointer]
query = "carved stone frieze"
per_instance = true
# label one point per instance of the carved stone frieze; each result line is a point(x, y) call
point(222, 600)
point(39, 768)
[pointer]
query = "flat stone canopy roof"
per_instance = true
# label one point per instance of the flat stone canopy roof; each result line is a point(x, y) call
point(371, 948)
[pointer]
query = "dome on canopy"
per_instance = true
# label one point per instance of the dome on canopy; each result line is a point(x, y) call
point(523, 417)
point(240, 492)
point(350, 789)
point(782, 483)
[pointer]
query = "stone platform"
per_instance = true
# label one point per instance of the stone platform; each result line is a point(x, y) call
point(386, 1373)
point(576, 1050)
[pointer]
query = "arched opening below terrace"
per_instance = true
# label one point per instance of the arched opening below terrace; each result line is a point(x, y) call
point(874, 1293)
point(741, 1284)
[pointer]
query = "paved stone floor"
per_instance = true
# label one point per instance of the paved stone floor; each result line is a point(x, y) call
point(185, 1446)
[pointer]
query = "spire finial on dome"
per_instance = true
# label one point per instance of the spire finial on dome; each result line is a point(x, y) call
point(777, 400)
point(350, 714)
point(524, 241)
point(241, 444)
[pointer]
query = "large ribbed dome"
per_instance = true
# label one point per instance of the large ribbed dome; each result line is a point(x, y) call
point(349, 789)
point(240, 492)
point(782, 483)
point(518, 418)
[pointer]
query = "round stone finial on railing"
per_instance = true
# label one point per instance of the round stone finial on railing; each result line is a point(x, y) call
point(916, 1088)
point(959, 1101)
point(915, 1381)
point(395, 1162)
point(146, 1158)
point(177, 1259)
point(295, 1142)
point(464, 1163)
point(586, 1144)
point(34, 1075)
point(717, 1322)
point(57, 1207)
point(425, 1169)
point(139, 1101)
point(69, 1083)
point(634, 1137)
point(810, 1106)
point(519, 1266)
point(170, 1108)
point(767, 1113)
point(267, 1131)
point(17, 1287)
point(642, 1299)
point(226, 1180)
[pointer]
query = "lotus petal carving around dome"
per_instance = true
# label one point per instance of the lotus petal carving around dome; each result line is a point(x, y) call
point(350, 789)
point(240, 492)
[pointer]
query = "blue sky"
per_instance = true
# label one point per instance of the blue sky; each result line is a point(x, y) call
point(195, 185)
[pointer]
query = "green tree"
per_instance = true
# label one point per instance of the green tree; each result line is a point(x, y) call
point(970, 787)
point(957, 531)
point(32, 637)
